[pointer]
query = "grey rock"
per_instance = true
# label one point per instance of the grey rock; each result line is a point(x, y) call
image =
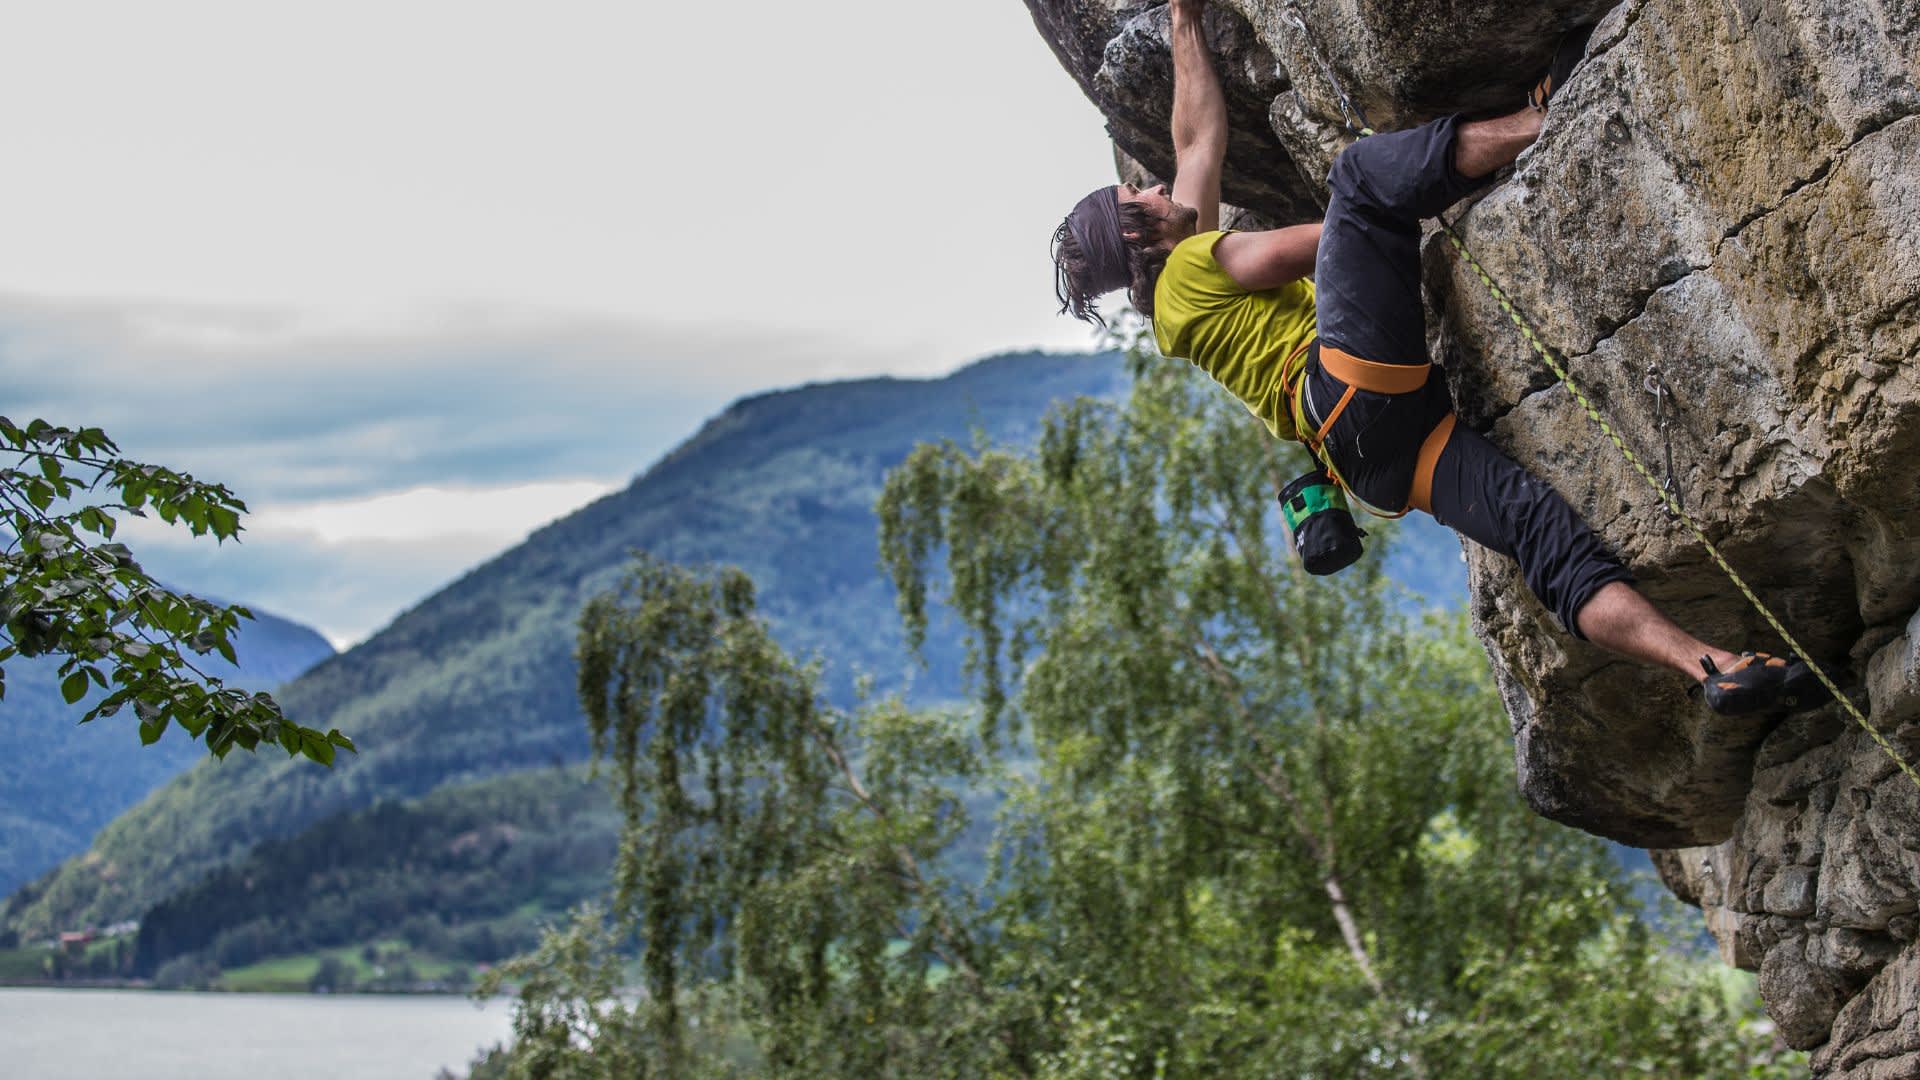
point(1727, 192)
point(1790, 892)
point(1877, 1035)
point(1802, 998)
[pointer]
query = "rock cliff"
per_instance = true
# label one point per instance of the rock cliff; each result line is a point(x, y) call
point(1726, 200)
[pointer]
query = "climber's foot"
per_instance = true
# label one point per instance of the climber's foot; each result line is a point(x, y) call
point(1762, 683)
point(1572, 50)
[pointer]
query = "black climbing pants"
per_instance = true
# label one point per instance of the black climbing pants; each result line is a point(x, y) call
point(1367, 291)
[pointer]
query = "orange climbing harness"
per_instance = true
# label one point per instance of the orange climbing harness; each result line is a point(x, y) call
point(1373, 377)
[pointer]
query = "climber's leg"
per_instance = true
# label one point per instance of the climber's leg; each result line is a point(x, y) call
point(1484, 495)
point(1367, 284)
point(1618, 618)
point(1487, 497)
point(1485, 147)
point(1367, 274)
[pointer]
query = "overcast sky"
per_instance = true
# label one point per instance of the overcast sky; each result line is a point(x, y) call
point(415, 276)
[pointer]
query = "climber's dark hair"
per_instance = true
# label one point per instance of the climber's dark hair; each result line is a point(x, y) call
point(1092, 255)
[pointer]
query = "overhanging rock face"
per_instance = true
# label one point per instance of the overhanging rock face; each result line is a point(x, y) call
point(1726, 198)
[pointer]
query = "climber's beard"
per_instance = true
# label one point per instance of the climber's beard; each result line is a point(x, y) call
point(1182, 220)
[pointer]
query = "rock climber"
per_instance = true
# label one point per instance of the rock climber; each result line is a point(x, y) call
point(1319, 330)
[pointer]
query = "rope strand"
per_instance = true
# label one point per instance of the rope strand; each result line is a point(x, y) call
point(1666, 496)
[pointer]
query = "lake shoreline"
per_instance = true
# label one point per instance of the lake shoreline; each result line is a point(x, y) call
point(146, 985)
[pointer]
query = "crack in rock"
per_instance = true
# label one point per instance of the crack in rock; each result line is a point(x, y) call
point(1643, 299)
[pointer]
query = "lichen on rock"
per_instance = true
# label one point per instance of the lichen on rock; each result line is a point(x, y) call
point(1726, 200)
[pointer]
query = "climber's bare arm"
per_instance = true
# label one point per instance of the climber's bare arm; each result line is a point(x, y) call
point(1199, 117)
point(1271, 258)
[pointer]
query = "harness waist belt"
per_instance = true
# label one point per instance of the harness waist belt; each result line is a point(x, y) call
point(1371, 375)
point(1376, 378)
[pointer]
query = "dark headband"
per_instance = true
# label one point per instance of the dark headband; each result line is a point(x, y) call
point(1101, 248)
point(1095, 225)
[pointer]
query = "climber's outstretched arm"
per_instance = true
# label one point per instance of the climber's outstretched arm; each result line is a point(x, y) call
point(1269, 258)
point(1199, 117)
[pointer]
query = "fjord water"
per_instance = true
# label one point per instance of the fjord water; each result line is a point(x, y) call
point(90, 1034)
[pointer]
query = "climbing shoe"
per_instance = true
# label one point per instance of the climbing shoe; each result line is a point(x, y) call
point(1572, 50)
point(1762, 683)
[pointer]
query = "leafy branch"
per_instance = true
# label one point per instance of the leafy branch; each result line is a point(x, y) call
point(68, 590)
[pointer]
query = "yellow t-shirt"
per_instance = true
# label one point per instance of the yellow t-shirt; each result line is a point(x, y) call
point(1243, 339)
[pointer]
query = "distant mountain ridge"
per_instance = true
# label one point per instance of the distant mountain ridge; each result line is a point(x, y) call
point(477, 680)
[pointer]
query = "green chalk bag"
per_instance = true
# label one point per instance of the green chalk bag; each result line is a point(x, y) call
point(1323, 530)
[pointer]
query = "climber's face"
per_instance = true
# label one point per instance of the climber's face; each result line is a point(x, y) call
point(1177, 222)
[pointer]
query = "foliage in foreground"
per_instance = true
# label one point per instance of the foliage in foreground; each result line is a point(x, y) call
point(1250, 823)
point(67, 590)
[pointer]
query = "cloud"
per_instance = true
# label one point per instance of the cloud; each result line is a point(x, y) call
point(281, 407)
point(498, 515)
point(347, 566)
point(869, 176)
point(377, 460)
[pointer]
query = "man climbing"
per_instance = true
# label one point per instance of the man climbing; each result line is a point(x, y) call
point(1320, 330)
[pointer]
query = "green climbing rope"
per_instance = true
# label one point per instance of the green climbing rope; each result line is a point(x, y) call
point(1666, 496)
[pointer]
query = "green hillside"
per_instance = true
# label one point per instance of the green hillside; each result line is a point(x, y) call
point(478, 679)
point(464, 875)
point(60, 781)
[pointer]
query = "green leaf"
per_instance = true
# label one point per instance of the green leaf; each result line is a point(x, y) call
point(110, 705)
point(317, 747)
point(226, 523)
point(151, 731)
point(74, 687)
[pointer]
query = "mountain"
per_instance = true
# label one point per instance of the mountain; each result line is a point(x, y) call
point(465, 874)
point(478, 679)
point(61, 781)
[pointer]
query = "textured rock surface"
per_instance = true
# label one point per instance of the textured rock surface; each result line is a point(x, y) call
point(1728, 191)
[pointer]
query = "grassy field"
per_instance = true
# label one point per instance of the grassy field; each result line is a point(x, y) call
point(382, 966)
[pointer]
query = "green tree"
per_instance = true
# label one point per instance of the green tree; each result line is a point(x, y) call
point(780, 863)
point(333, 976)
point(67, 590)
point(1243, 822)
point(1273, 828)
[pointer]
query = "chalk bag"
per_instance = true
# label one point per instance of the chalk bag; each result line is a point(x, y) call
point(1324, 534)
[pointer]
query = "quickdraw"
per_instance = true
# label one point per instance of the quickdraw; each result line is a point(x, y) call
point(1662, 396)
